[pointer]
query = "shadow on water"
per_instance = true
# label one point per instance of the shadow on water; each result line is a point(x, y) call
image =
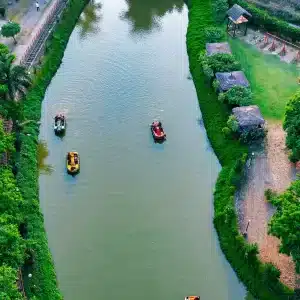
point(146, 15)
point(89, 20)
point(43, 153)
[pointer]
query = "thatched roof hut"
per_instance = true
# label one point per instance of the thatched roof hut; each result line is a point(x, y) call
point(216, 48)
point(248, 117)
point(227, 80)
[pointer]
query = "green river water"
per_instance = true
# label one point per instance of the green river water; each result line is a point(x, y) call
point(136, 223)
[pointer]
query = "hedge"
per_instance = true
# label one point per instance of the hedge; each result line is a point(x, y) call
point(260, 279)
point(43, 284)
point(261, 18)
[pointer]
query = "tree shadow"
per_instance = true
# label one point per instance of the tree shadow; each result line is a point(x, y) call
point(145, 15)
point(42, 154)
point(88, 21)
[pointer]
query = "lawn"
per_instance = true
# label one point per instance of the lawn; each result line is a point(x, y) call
point(272, 81)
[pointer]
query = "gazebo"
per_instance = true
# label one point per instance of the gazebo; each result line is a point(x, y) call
point(216, 48)
point(227, 80)
point(248, 117)
point(237, 16)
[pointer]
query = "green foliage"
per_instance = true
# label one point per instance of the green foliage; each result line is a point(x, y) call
point(285, 224)
point(12, 246)
point(8, 285)
point(43, 282)
point(232, 156)
point(219, 8)
point(4, 49)
point(10, 29)
point(232, 123)
point(216, 87)
point(238, 96)
point(6, 141)
point(292, 126)
point(214, 34)
point(262, 18)
point(253, 135)
point(217, 63)
point(15, 77)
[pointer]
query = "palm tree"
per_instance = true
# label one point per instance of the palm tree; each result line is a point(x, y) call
point(89, 19)
point(15, 77)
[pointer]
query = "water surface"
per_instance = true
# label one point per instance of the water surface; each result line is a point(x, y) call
point(137, 221)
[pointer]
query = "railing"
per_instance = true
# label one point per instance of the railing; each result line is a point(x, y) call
point(38, 39)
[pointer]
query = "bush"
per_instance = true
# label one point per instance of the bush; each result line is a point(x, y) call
point(220, 8)
point(237, 96)
point(214, 34)
point(8, 284)
point(291, 125)
point(253, 135)
point(217, 63)
point(232, 123)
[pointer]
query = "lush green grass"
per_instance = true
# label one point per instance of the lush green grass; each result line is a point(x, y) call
point(272, 81)
point(258, 277)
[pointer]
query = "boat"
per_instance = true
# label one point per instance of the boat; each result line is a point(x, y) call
point(73, 164)
point(192, 298)
point(158, 131)
point(59, 124)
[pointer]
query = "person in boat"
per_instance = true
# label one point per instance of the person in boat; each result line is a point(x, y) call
point(76, 159)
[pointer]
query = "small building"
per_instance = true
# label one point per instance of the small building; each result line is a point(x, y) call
point(237, 18)
point(249, 117)
point(227, 80)
point(216, 48)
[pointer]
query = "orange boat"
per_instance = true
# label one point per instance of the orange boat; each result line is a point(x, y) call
point(157, 131)
point(192, 298)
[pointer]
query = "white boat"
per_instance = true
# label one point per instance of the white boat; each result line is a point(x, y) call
point(59, 124)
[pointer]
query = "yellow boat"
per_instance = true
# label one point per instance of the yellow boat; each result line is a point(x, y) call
point(192, 298)
point(73, 163)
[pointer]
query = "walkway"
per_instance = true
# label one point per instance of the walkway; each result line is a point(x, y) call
point(269, 169)
point(31, 22)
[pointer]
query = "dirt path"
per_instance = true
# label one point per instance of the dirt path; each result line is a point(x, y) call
point(269, 169)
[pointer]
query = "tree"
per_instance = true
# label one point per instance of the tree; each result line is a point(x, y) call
point(12, 246)
point(8, 284)
point(15, 77)
point(11, 201)
point(285, 224)
point(10, 29)
point(237, 95)
point(291, 125)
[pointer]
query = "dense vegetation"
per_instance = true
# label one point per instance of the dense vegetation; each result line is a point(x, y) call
point(23, 242)
point(285, 223)
point(260, 279)
point(292, 126)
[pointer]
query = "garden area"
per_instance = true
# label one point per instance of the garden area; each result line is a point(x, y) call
point(273, 82)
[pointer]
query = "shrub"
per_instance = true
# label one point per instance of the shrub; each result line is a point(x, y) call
point(238, 96)
point(216, 87)
point(232, 123)
point(8, 284)
point(291, 125)
point(214, 34)
point(220, 8)
point(253, 135)
point(226, 131)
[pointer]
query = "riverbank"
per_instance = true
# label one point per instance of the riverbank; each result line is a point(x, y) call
point(259, 278)
point(42, 284)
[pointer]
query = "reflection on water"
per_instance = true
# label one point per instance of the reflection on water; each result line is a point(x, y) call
point(42, 151)
point(89, 19)
point(146, 15)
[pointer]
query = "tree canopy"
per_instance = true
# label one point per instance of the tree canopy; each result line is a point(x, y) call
point(292, 126)
point(10, 29)
point(285, 224)
point(8, 285)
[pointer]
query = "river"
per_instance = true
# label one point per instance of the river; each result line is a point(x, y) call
point(137, 221)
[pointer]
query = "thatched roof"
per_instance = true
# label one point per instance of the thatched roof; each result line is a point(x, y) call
point(248, 116)
point(237, 14)
point(215, 48)
point(228, 80)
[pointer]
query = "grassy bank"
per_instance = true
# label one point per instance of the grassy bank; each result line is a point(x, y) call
point(260, 279)
point(42, 285)
point(268, 75)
